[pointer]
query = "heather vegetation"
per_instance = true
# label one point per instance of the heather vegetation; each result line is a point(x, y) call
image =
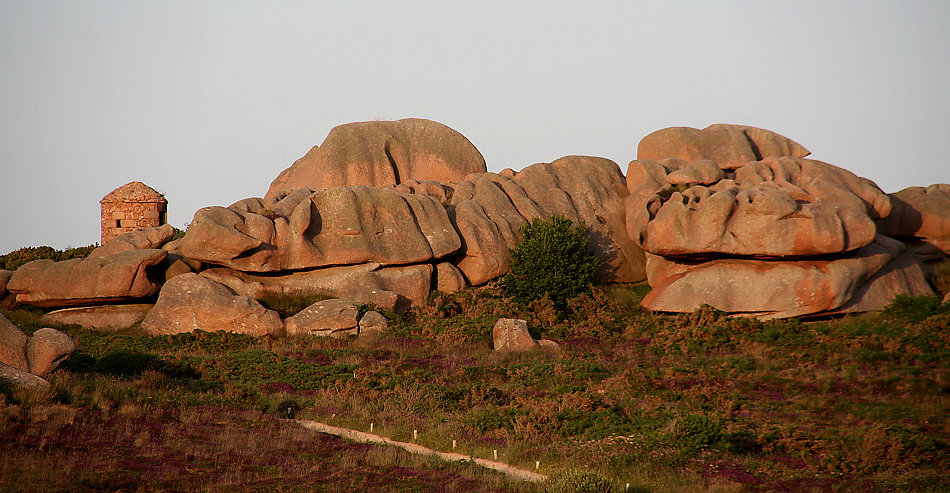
point(16, 258)
point(665, 403)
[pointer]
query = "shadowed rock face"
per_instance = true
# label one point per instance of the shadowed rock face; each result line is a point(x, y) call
point(736, 218)
point(382, 153)
point(328, 227)
point(921, 215)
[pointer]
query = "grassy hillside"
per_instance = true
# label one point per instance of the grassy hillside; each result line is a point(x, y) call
point(664, 403)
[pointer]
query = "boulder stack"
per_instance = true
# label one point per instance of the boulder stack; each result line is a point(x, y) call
point(777, 235)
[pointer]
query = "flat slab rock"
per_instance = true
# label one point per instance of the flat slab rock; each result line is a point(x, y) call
point(868, 279)
point(117, 277)
point(103, 317)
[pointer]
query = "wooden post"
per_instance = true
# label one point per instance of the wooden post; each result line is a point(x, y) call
point(537, 465)
point(415, 435)
point(453, 444)
point(371, 427)
point(495, 453)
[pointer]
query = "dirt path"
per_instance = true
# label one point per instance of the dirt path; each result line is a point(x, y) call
point(359, 436)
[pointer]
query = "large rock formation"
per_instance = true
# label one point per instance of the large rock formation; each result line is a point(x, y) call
point(866, 279)
point(118, 277)
point(328, 227)
point(382, 153)
point(191, 302)
point(777, 207)
point(729, 146)
point(749, 226)
point(394, 288)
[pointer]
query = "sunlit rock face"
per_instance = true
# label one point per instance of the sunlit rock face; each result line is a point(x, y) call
point(381, 153)
point(737, 218)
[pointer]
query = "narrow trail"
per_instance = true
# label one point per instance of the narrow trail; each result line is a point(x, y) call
point(359, 436)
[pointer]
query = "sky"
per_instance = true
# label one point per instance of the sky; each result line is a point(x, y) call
point(208, 101)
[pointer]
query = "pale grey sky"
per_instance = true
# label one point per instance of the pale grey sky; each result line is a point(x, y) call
point(208, 101)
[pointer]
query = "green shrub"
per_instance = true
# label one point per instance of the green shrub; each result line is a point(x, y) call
point(912, 309)
point(553, 260)
point(577, 481)
point(16, 258)
point(287, 409)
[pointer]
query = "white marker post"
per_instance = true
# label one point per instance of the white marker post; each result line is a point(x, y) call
point(453, 444)
point(371, 427)
point(415, 435)
point(495, 453)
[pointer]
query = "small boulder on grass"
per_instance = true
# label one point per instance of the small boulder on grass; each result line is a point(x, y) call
point(24, 360)
point(373, 323)
point(510, 334)
point(331, 317)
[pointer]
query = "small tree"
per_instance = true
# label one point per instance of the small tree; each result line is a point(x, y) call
point(554, 259)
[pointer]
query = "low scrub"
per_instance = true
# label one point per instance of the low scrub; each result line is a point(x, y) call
point(16, 258)
point(664, 403)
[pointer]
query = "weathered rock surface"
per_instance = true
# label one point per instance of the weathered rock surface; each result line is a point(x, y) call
point(118, 277)
point(730, 146)
point(191, 302)
point(373, 323)
point(921, 214)
point(140, 239)
point(866, 279)
point(39, 354)
point(448, 278)
point(103, 317)
point(488, 210)
point(328, 227)
point(332, 317)
point(20, 378)
point(777, 207)
point(46, 349)
point(393, 288)
point(13, 345)
point(382, 153)
point(735, 217)
point(511, 334)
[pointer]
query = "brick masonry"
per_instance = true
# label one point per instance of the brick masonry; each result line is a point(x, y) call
point(132, 206)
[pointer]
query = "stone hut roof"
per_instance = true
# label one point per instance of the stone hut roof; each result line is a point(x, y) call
point(135, 191)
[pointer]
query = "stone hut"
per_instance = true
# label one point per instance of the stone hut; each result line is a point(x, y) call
point(130, 207)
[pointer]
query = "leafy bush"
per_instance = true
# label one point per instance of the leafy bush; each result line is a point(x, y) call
point(577, 481)
point(553, 260)
point(287, 409)
point(16, 258)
